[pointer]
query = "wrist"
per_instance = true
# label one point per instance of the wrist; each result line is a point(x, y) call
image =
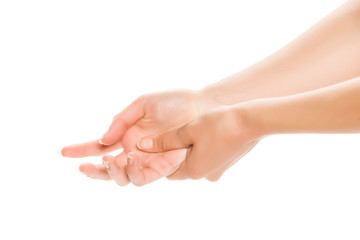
point(255, 114)
point(239, 122)
point(205, 100)
point(209, 98)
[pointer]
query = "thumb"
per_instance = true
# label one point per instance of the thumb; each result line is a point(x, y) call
point(171, 140)
point(123, 121)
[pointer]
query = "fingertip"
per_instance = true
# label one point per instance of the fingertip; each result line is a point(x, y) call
point(105, 141)
point(107, 161)
point(132, 164)
point(134, 172)
point(138, 144)
point(71, 151)
point(62, 152)
point(130, 158)
point(65, 151)
point(81, 168)
point(85, 168)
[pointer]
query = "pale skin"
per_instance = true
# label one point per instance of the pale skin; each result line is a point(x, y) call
point(221, 137)
point(291, 80)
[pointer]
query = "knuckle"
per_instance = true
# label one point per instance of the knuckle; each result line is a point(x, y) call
point(182, 134)
point(195, 173)
point(213, 178)
point(115, 117)
point(187, 133)
point(139, 184)
point(121, 184)
point(142, 97)
point(174, 177)
point(117, 162)
point(171, 178)
point(139, 98)
point(160, 143)
point(120, 162)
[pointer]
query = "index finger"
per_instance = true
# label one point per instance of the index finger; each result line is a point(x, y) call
point(92, 148)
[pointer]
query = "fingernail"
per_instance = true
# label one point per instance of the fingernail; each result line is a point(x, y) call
point(101, 142)
point(130, 157)
point(145, 143)
point(106, 164)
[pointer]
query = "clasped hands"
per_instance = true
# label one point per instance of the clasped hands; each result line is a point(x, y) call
point(177, 134)
point(200, 134)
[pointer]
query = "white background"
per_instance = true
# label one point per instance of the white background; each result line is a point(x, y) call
point(67, 67)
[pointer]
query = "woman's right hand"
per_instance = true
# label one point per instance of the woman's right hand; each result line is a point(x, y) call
point(215, 141)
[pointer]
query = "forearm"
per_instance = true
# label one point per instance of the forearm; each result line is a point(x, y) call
point(334, 109)
point(326, 54)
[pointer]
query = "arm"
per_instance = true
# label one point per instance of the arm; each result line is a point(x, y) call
point(220, 138)
point(327, 53)
point(334, 109)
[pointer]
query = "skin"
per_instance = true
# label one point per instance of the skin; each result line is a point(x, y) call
point(326, 54)
point(154, 112)
point(216, 140)
point(219, 138)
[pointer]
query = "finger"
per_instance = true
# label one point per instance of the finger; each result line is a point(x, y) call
point(124, 120)
point(94, 171)
point(116, 168)
point(192, 167)
point(93, 148)
point(213, 177)
point(217, 174)
point(138, 174)
point(171, 140)
point(179, 174)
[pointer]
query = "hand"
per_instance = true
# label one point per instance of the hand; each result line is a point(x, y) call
point(146, 115)
point(215, 140)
